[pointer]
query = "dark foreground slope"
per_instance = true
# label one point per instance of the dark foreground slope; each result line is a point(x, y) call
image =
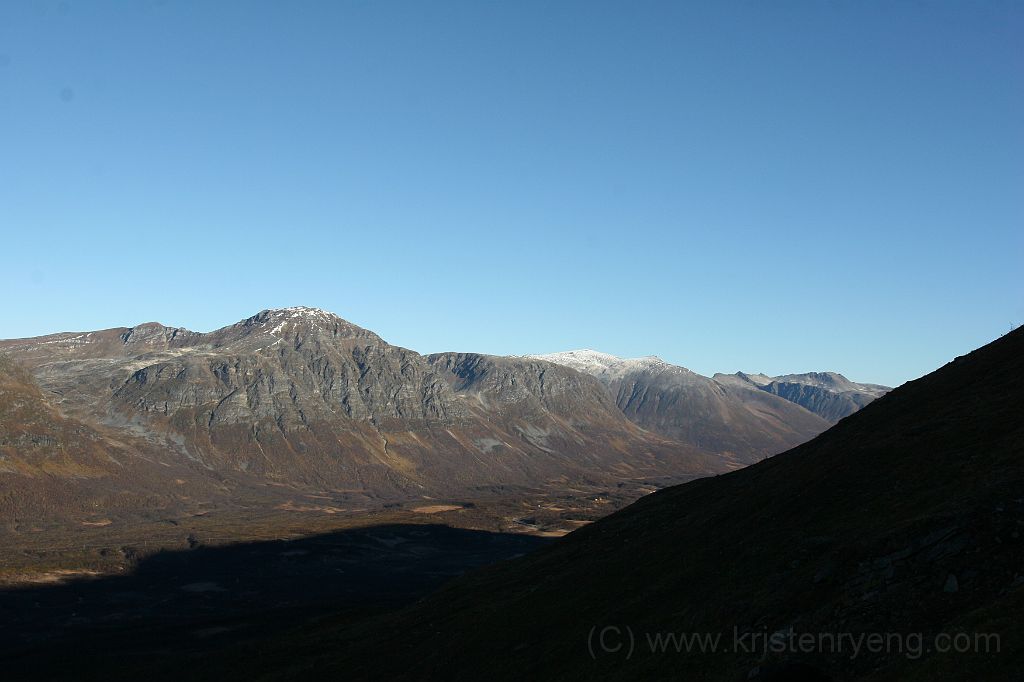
point(167, 616)
point(905, 519)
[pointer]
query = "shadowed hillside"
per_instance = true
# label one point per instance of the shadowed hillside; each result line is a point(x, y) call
point(174, 608)
point(905, 519)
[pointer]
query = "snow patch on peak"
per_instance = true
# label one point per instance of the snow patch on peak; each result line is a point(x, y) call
point(277, 319)
point(833, 382)
point(583, 357)
point(299, 311)
point(604, 365)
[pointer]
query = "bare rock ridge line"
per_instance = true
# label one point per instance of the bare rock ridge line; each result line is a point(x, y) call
point(748, 416)
point(298, 397)
point(828, 394)
point(903, 518)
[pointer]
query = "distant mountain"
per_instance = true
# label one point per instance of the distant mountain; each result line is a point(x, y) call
point(163, 417)
point(902, 523)
point(301, 397)
point(827, 394)
point(728, 418)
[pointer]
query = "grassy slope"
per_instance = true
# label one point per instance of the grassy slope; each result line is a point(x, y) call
point(858, 530)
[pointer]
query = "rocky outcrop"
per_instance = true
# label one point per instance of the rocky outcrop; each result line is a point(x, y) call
point(902, 524)
point(829, 395)
point(301, 397)
point(683, 405)
point(52, 465)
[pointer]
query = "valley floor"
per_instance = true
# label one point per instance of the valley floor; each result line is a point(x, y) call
point(115, 594)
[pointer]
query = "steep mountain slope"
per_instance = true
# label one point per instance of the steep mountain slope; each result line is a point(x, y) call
point(560, 410)
point(680, 404)
point(41, 450)
point(300, 397)
point(829, 395)
point(905, 520)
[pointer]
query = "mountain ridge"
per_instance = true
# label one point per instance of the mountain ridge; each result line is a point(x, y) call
point(678, 403)
point(830, 395)
point(300, 396)
point(902, 519)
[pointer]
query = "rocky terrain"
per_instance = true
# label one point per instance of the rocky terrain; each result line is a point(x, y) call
point(736, 415)
point(903, 523)
point(300, 400)
point(829, 395)
point(370, 475)
point(53, 465)
point(298, 414)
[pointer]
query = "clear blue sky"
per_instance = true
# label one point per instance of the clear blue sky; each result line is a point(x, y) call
point(773, 187)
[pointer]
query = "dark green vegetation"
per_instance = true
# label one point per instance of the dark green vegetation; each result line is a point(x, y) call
point(904, 518)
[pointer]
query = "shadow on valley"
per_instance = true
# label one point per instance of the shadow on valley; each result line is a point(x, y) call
point(176, 605)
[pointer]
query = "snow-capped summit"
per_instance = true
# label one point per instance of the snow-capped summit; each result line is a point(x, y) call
point(299, 311)
point(287, 322)
point(605, 366)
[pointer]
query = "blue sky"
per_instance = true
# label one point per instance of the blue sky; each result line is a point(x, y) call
point(767, 187)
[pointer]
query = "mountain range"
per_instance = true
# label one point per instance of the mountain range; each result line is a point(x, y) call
point(899, 529)
point(827, 394)
point(744, 418)
point(299, 399)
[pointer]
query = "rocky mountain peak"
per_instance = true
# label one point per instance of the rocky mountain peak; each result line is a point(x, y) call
point(295, 315)
point(300, 311)
point(828, 380)
point(605, 366)
point(827, 394)
point(757, 378)
point(154, 334)
point(290, 322)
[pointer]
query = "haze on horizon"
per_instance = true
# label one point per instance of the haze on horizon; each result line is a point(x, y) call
point(732, 187)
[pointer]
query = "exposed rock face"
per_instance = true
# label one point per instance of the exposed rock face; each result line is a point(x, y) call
point(557, 409)
point(904, 518)
point(51, 463)
point(299, 396)
point(531, 387)
point(827, 394)
point(302, 397)
point(36, 437)
point(683, 405)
